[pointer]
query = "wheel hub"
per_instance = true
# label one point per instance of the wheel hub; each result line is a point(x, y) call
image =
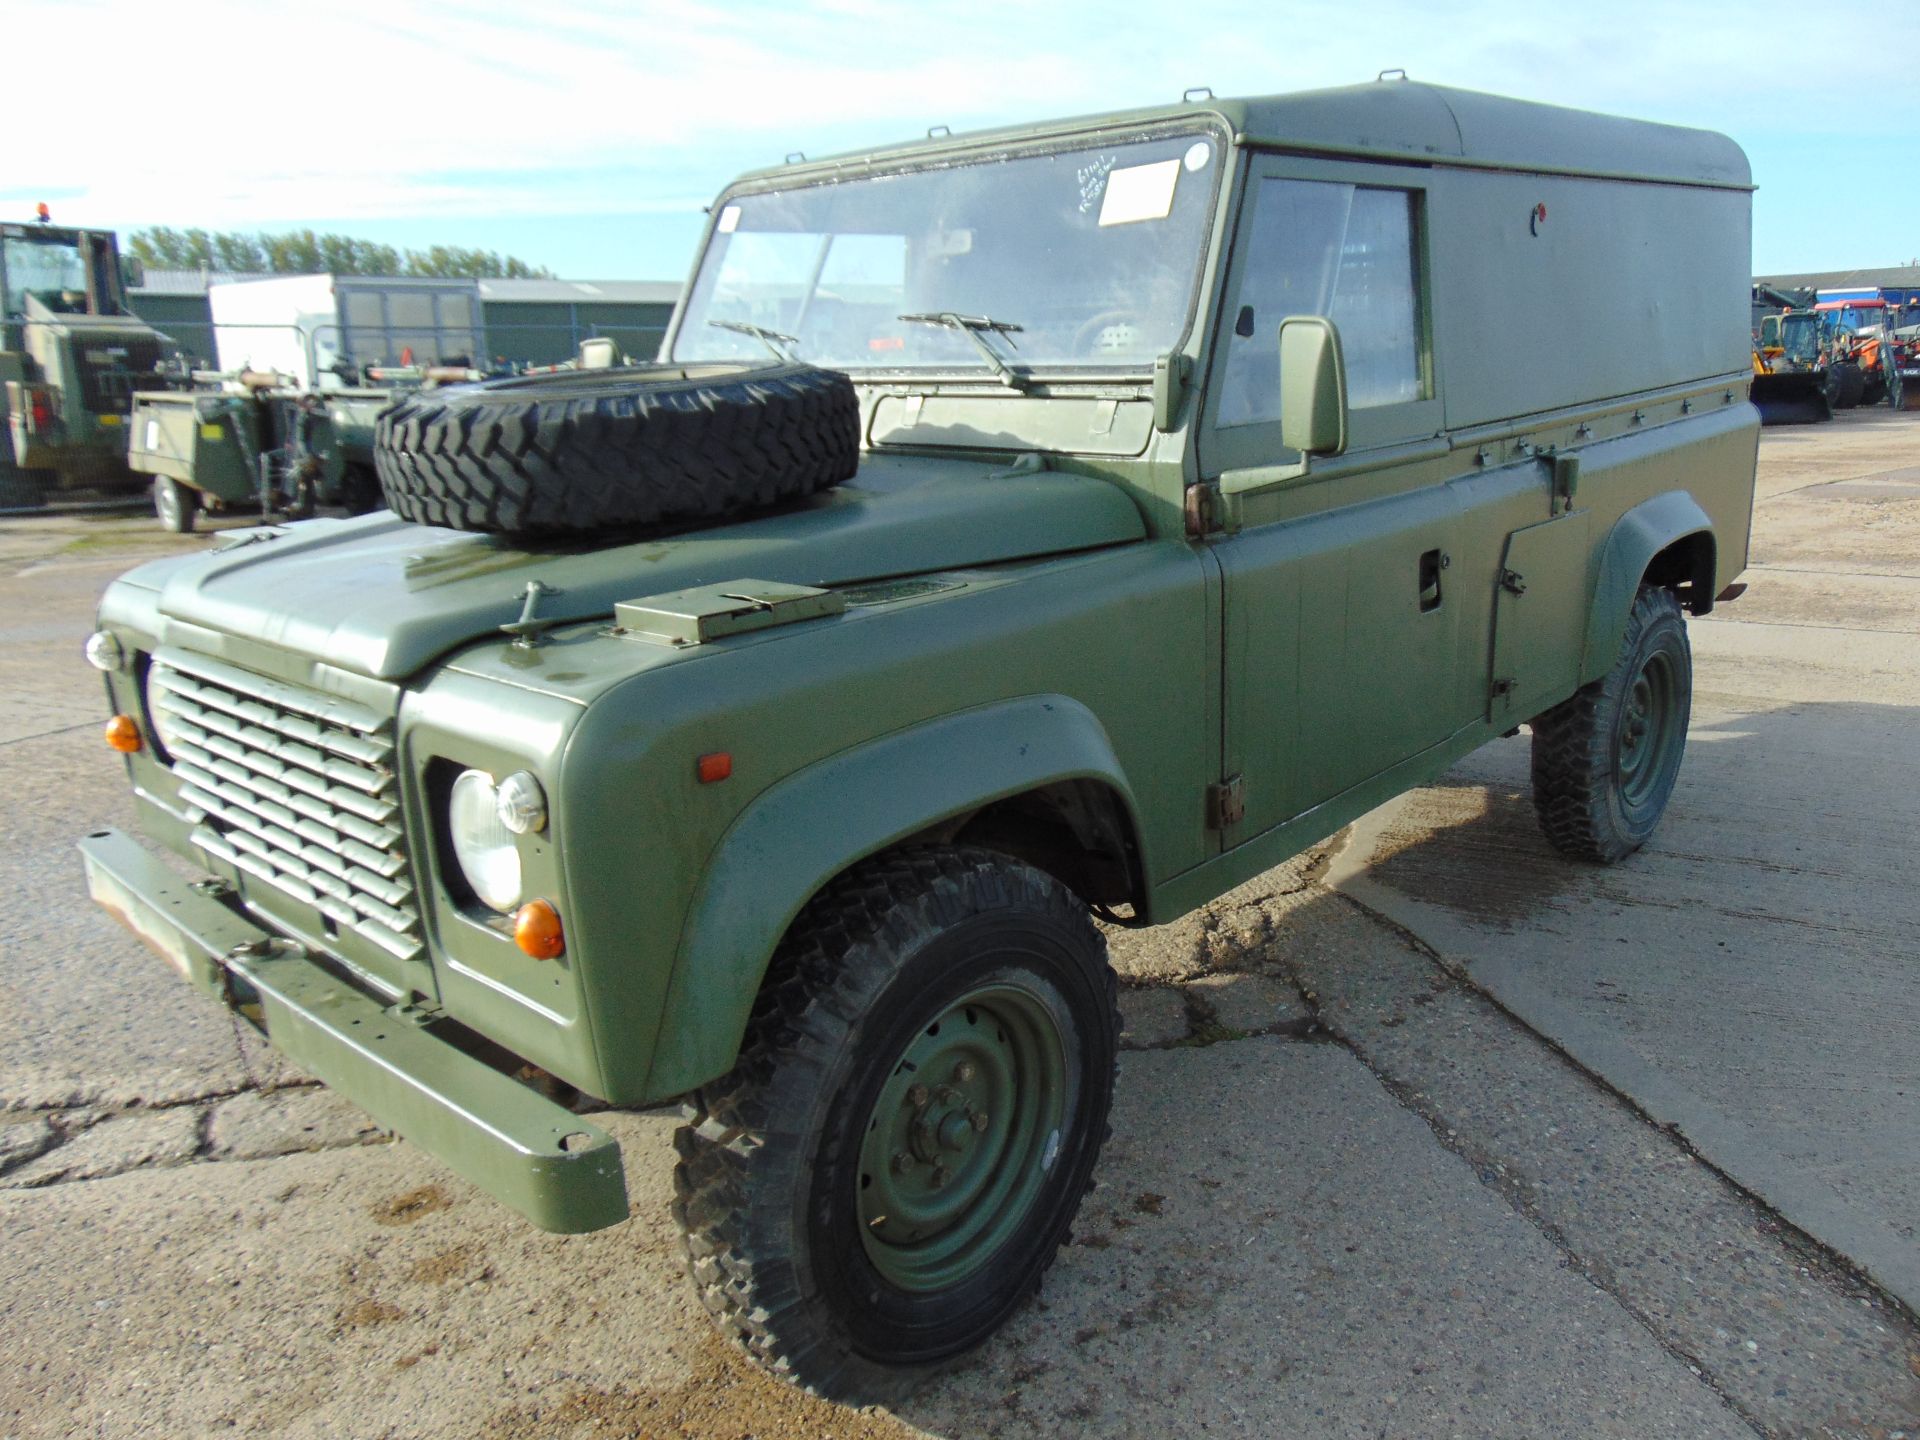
point(950, 1160)
point(1645, 744)
point(947, 1123)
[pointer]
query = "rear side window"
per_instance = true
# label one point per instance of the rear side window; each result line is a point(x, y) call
point(1348, 252)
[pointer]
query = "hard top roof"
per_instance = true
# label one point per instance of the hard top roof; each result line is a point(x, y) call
point(1401, 120)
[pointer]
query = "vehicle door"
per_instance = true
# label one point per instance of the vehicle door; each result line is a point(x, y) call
point(1341, 629)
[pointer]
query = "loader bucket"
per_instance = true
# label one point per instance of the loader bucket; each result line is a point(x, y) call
point(1905, 393)
point(1793, 399)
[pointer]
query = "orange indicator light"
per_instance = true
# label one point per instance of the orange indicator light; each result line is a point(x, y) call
point(123, 734)
point(715, 767)
point(536, 930)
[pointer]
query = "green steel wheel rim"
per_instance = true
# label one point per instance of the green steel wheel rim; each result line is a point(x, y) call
point(961, 1139)
point(1647, 741)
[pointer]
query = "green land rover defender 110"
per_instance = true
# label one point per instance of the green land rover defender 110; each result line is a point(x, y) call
point(1064, 521)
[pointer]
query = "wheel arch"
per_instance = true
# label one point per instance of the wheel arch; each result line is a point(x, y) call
point(1667, 541)
point(976, 775)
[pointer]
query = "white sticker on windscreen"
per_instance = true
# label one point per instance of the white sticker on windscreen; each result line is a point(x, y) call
point(729, 219)
point(1140, 192)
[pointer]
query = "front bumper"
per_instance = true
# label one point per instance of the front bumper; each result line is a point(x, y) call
point(562, 1173)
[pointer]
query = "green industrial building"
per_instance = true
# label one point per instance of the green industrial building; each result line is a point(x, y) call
point(535, 322)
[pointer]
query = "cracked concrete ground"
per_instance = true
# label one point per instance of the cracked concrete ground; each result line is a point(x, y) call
point(1348, 1192)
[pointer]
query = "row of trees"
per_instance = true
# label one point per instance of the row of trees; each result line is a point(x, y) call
point(302, 252)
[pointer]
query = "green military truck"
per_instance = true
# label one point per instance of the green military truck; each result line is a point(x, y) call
point(71, 356)
point(1060, 522)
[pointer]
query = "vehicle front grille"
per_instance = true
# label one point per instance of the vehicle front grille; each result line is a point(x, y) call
point(295, 787)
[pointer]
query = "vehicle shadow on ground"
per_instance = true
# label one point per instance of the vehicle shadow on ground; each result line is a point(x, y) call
point(1803, 794)
point(1273, 1235)
point(1749, 976)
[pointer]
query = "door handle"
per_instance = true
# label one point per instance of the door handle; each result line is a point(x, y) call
point(1431, 564)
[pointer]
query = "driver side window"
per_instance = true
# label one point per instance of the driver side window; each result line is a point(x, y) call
point(1344, 251)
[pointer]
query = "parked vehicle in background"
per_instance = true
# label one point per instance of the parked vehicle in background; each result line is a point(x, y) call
point(1792, 383)
point(71, 356)
point(306, 363)
point(1070, 520)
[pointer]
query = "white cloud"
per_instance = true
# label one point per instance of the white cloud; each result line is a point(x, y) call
point(231, 114)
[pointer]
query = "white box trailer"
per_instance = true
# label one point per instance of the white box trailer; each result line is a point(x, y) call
point(319, 329)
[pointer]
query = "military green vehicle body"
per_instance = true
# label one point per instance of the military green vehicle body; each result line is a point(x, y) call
point(71, 355)
point(207, 439)
point(1078, 619)
point(213, 439)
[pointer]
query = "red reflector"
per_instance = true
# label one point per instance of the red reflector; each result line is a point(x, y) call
point(887, 342)
point(40, 403)
point(714, 767)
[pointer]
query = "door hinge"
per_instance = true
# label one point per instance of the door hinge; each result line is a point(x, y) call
point(1503, 688)
point(1513, 582)
point(1566, 482)
point(1226, 802)
point(1202, 510)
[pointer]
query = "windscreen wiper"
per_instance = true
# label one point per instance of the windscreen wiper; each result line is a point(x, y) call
point(974, 327)
point(776, 342)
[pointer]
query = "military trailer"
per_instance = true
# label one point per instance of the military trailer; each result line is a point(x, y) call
point(249, 442)
point(306, 363)
point(71, 356)
point(1056, 523)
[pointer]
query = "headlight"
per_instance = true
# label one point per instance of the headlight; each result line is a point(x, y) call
point(104, 652)
point(521, 804)
point(485, 848)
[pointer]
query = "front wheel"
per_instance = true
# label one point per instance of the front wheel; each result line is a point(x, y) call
point(1605, 761)
point(898, 1152)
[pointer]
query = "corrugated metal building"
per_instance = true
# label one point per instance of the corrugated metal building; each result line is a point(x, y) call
point(1899, 284)
point(542, 321)
point(535, 321)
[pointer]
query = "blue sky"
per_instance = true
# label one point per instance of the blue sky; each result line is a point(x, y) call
point(587, 137)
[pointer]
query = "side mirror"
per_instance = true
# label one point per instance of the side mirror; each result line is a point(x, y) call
point(1313, 404)
point(133, 272)
point(1313, 386)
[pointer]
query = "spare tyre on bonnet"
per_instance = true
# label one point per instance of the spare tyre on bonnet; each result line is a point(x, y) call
point(584, 450)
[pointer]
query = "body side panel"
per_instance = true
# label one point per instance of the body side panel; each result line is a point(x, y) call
point(1118, 636)
point(847, 807)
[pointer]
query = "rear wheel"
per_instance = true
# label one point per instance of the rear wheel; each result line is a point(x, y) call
point(175, 504)
point(897, 1155)
point(1605, 762)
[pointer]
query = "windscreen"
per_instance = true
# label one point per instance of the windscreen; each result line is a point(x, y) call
point(1073, 258)
point(1800, 336)
point(51, 270)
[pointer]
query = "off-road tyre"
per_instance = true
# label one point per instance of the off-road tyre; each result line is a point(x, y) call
point(776, 1157)
point(585, 451)
point(1605, 761)
point(1846, 383)
point(175, 505)
point(359, 489)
